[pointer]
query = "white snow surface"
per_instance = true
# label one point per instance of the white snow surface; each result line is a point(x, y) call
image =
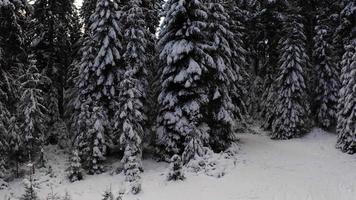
point(309, 168)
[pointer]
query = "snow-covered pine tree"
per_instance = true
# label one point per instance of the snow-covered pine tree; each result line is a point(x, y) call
point(99, 73)
point(347, 105)
point(270, 30)
point(30, 192)
point(226, 91)
point(3, 139)
point(75, 171)
point(132, 92)
point(175, 169)
point(292, 109)
point(12, 50)
point(32, 108)
point(15, 141)
point(327, 74)
point(67, 196)
point(4, 132)
point(108, 195)
point(242, 83)
point(346, 22)
point(54, 30)
point(183, 82)
point(346, 127)
point(97, 138)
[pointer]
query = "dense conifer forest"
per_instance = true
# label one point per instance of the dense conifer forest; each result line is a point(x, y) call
point(176, 80)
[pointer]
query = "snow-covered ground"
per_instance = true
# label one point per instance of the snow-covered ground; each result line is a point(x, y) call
point(309, 168)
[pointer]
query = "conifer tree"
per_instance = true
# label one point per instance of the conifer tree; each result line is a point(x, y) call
point(75, 173)
point(30, 192)
point(291, 112)
point(271, 23)
point(346, 127)
point(97, 138)
point(327, 75)
point(99, 74)
point(54, 30)
point(108, 195)
point(183, 82)
point(15, 141)
point(176, 166)
point(226, 91)
point(132, 93)
point(32, 108)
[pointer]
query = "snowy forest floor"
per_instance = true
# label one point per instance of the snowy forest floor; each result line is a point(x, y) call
point(309, 168)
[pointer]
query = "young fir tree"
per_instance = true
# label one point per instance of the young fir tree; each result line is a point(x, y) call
point(3, 139)
point(184, 82)
point(226, 91)
point(75, 173)
point(99, 74)
point(346, 127)
point(175, 169)
point(67, 196)
point(327, 75)
point(291, 112)
point(32, 108)
point(15, 141)
point(108, 195)
point(97, 138)
point(30, 192)
point(132, 93)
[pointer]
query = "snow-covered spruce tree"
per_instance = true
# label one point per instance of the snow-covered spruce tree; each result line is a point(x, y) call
point(75, 171)
point(67, 196)
point(175, 169)
point(183, 82)
point(132, 92)
point(346, 22)
point(54, 30)
point(15, 141)
point(243, 82)
point(12, 50)
point(3, 139)
point(292, 109)
point(96, 133)
point(32, 108)
point(327, 76)
point(4, 132)
point(99, 72)
point(270, 30)
point(226, 105)
point(346, 127)
point(30, 192)
point(108, 195)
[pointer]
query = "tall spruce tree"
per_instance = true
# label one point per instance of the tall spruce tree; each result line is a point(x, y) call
point(184, 81)
point(346, 127)
point(326, 72)
point(226, 90)
point(292, 108)
point(54, 30)
point(133, 89)
point(32, 108)
point(347, 105)
point(99, 74)
point(271, 17)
